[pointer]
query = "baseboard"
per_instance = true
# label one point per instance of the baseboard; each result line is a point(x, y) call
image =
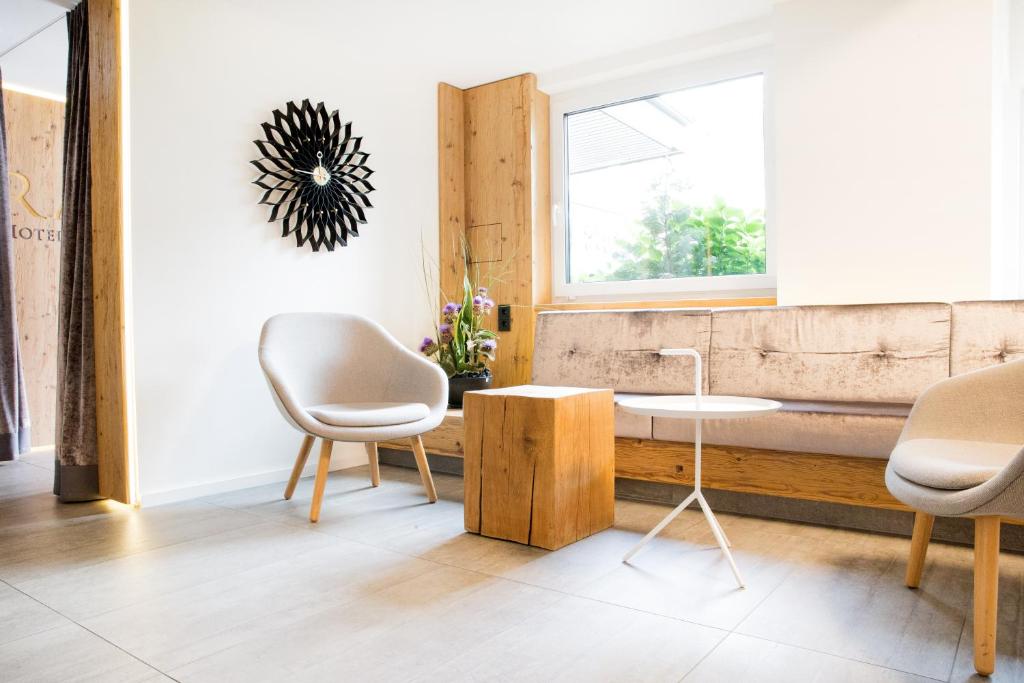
point(177, 495)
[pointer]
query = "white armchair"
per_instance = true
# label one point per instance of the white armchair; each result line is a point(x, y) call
point(342, 377)
point(961, 454)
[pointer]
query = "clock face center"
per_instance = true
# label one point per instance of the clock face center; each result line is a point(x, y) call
point(321, 176)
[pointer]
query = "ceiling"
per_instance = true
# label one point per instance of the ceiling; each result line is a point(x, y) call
point(19, 19)
point(33, 49)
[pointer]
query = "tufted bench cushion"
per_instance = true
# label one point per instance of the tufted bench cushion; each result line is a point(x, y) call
point(846, 375)
point(986, 333)
point(619, 349)
point(883, 353)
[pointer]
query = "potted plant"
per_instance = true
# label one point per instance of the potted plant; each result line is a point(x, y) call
point(463, 345)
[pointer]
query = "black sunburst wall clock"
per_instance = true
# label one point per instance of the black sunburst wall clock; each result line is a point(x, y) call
point(314, 175)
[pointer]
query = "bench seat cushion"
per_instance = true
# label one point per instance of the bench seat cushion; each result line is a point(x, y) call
point(631, 425)
point(854, 429)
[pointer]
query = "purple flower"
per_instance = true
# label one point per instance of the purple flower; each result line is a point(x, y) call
point(427, 345)
point(449, 311)
point(482, 291)
point(489, 344)
point(488, 304)
point(446, 332)
point(478, 304)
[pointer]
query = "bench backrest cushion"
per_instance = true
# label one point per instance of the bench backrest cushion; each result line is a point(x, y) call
point(875, 352)
point(619, 349)
point(986, 333)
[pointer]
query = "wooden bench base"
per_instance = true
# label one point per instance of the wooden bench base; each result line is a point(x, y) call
point(806, 476)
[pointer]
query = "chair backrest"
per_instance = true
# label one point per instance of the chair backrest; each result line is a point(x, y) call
point(327, 357)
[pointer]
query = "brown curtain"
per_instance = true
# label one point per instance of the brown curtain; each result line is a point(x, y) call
point(76, 475)
point(14, 422)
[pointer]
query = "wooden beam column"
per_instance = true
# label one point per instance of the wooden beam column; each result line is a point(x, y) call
point(108, 248)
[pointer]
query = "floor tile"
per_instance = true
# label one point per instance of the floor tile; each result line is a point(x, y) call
point(97, 588)
point(21, 616)
point(20, 480)
point(1009, 634)
point(70, 653)
point(847, 598)
point(180, 627)
point(391, 634)
point(683, 574)
point(42, 458)
point(743, 658)
point(582, 640)
point(78, 535)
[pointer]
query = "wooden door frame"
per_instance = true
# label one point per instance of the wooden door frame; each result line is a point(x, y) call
point(115, 460)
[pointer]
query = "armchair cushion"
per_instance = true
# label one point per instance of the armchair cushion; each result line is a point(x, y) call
point(369, 414)
point(951, 464)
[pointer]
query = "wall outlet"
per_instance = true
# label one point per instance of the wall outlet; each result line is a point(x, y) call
point(504, 318)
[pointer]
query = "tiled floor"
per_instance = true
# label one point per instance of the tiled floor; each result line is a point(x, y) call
point(240, 587)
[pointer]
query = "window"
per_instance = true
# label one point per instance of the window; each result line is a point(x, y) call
point(664, 193)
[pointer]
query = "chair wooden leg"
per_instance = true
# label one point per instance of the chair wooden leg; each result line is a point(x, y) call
point(321, 479)
point(371, 453)
point(424, 468)
point(919, 547)
point(300, 462)
point(986, 592)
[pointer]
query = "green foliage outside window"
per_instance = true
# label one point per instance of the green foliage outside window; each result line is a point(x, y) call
point(680, 240)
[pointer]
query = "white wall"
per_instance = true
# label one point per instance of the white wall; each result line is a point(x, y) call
point(884, 121)
point(208, 270)
point(1008, 119)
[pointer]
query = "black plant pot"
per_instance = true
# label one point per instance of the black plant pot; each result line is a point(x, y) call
point(460, 384)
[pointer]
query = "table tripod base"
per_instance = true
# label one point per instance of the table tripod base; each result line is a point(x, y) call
point(716, 529)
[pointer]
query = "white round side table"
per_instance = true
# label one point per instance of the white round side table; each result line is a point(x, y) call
point(697, 408)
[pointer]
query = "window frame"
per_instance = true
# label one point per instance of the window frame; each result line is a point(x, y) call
point(691, 75)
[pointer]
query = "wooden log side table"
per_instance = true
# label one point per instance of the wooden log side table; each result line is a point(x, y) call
point(539, 463)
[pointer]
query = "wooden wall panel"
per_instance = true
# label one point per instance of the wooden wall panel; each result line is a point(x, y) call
point(35, 131)
point(451, 148)
point(108, 248)
point(501, 189)
point(541, 195)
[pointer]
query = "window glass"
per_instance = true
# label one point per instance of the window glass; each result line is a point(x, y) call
point(668, 186)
